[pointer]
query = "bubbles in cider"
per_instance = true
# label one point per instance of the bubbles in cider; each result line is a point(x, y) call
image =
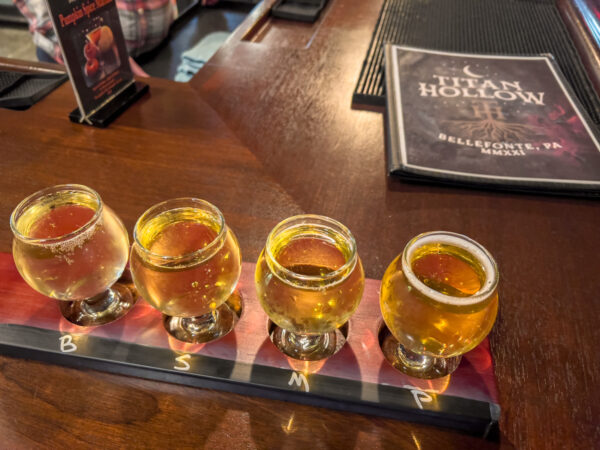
point(73, 249)
point(319, 305)
point(189, 268)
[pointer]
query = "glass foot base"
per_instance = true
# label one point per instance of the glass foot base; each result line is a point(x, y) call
point(308, 347)
point(107, 307)
point(413, 364)
point(208, 327)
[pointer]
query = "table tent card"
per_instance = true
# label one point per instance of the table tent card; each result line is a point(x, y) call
point(94, 52)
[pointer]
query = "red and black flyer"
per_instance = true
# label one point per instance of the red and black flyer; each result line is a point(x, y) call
point(93, 47)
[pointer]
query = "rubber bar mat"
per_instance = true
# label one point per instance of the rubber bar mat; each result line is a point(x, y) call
point(21, 90)
point(510, 27)
point(8, 80)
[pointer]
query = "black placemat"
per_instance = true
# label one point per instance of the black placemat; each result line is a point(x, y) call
point(22, 90)
point(8, 80)
point(513, 27)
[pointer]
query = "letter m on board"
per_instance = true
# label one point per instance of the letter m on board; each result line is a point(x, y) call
point(299, 379)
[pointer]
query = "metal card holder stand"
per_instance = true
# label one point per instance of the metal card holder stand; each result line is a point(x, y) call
point(113, 109)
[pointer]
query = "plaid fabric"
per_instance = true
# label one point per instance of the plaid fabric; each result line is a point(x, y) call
point(145, 24)
point(40, 25)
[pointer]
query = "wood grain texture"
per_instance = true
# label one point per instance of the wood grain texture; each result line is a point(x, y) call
point(59, 407)
point(330, 158)
point(170, 144)
point(265, 131)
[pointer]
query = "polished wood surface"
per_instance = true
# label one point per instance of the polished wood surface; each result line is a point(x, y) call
point(266, 130)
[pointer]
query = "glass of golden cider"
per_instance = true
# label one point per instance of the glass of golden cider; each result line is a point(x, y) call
point(70, 246)
point(439, 299)
point(309, 280)
point(186, 262)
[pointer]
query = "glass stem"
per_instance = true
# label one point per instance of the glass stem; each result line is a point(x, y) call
point(423, 366)
point(199, 324)
point(413, 360)
point(308, 342)
point(104, 302)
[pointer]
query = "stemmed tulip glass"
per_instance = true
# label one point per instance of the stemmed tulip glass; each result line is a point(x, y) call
point(439, 299)
point(186, 262)
point(309, 281)
point(70, 246)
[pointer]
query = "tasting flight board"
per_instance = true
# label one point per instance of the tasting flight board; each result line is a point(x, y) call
point(356, 379)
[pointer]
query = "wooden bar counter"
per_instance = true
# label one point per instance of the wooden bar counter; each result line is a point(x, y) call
point(265, 131)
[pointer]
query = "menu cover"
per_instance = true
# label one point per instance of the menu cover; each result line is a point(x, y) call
point(505, 122)
point(93, 47)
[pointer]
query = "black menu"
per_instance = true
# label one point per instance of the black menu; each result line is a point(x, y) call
point(507, 122)
point(94, 50)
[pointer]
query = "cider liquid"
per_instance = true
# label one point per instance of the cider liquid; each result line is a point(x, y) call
point(425, 325)
point(189, 281)
point(73, 256)
point(324, 305)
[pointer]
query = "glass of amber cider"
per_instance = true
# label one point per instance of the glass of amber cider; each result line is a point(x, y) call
point(186, 262)
point(439, 299)
point(309, 280)
point(70, 246)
